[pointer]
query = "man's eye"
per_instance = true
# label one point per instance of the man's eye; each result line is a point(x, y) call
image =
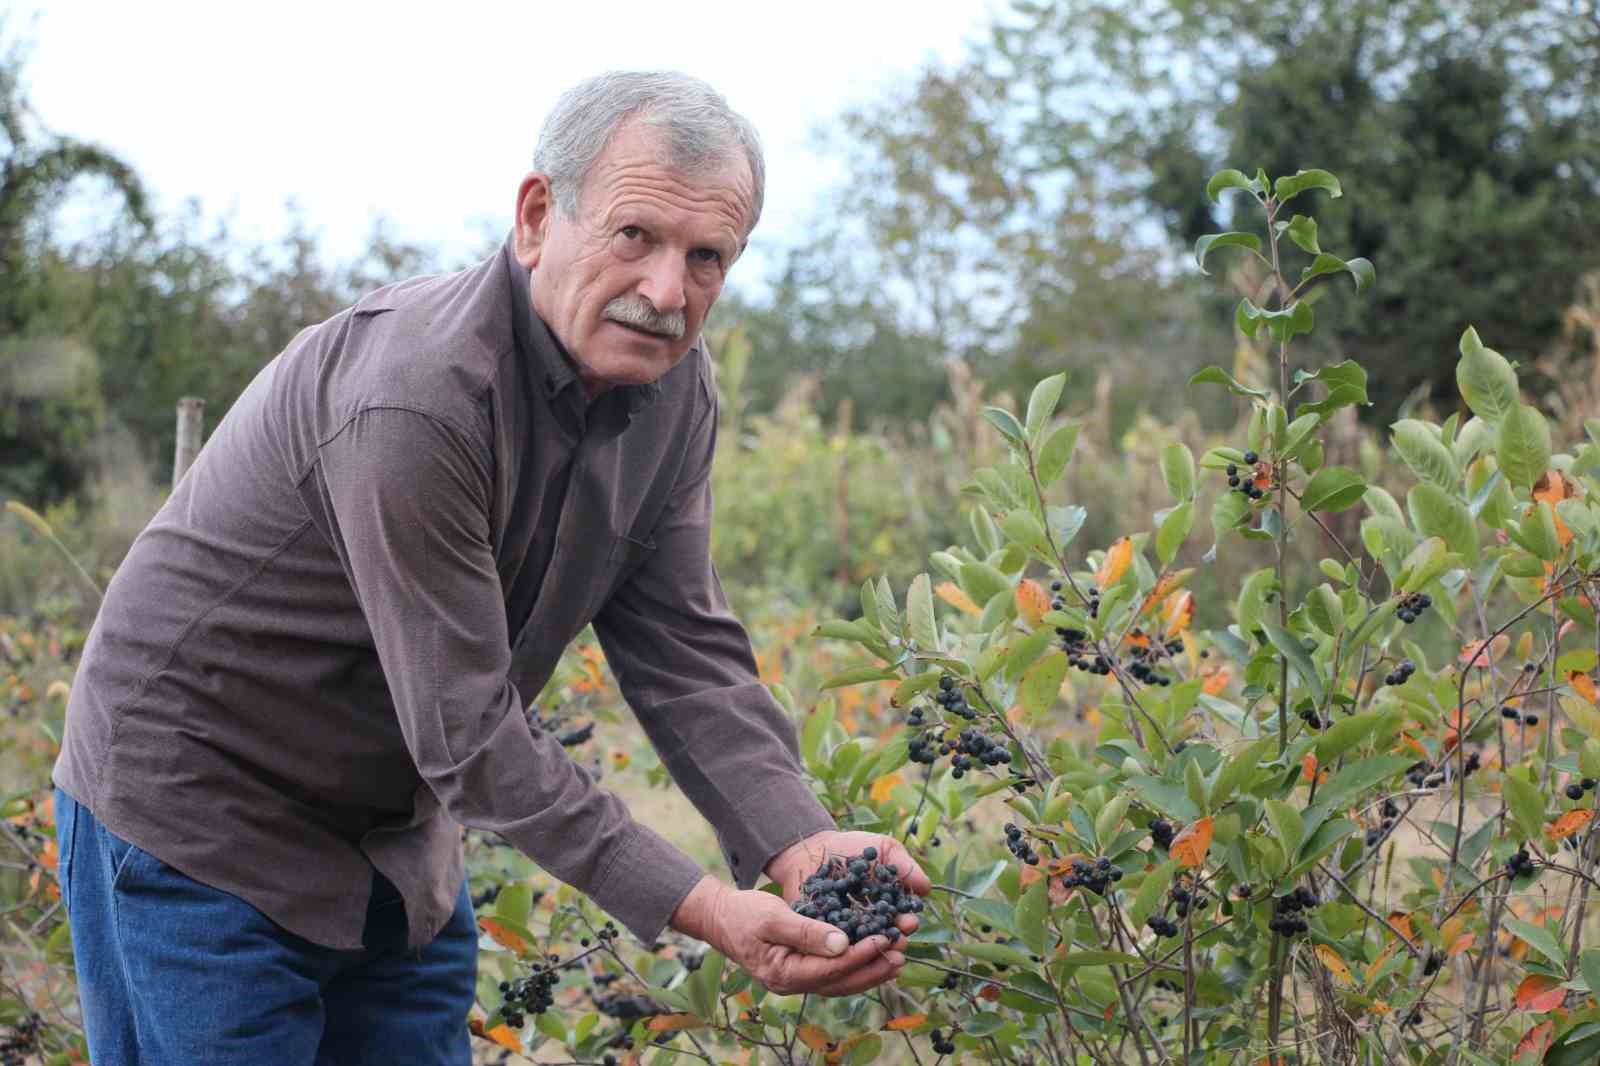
point(632, 233)
point(706, 255)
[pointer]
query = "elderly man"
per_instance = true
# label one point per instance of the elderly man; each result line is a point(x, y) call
point(315, 661)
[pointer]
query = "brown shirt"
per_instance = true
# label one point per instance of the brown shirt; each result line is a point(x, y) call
point(318, 654)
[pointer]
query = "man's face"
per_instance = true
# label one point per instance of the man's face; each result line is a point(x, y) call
point(626, 284)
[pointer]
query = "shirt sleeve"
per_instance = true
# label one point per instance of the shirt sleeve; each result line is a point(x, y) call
point(685, 666)
point(410, 498)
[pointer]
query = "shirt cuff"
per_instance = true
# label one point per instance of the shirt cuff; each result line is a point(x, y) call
point(645, 882)
point(779, 813)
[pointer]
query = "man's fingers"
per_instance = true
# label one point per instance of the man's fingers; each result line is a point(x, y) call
point(907, 923)
point(885, 967)
point(812, 973)
point(805, 935)
point(910, 872)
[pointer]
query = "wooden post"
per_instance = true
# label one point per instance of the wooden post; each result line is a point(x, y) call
point(191, 417)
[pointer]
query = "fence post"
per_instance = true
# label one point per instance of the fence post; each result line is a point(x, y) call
point(191, 416)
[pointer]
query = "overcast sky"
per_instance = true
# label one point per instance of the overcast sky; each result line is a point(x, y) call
point(426, 114)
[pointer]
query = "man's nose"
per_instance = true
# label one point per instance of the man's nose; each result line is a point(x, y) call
point(662, 284)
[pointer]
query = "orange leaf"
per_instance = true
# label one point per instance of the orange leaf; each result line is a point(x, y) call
point(1376, 964)
point(1190, 846)
point(1568, 823)
point(1179, 611)
point(1136, 638)
point(1492, 650)
point(951, 593)
point(1539, 993)
point(836, 1054)
point(500, 1034)
point(668, 1022)
point(1118, 556)
point(1027, 875)
point(1583, 684)
point(504, 935)
point(1461, 943)
point(1335, 963)
point(906, 1021)
point(1537, 1041)
point(814, 1038)
point(1032, 601)
point(1402, 922)
point(1217, 681)
point(1552, 487)
point(1309, 769)
point(620, 760)
point(989, 992)
point(883, 787)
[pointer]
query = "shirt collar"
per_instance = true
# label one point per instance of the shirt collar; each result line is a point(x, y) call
point(553, 366)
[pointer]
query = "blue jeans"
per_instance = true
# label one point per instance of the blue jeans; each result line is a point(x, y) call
point(171, 971)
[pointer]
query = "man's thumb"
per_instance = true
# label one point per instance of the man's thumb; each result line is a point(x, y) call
point(813, 937)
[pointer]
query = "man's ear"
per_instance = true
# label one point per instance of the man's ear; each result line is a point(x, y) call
point(535, 206)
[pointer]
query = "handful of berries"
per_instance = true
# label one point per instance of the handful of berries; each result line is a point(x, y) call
point(533, 994)
point(1096, 876)
point(858, 896)
point(1401, 673)
point(1245, 481)
point(1412, 606)
point(1286, 920)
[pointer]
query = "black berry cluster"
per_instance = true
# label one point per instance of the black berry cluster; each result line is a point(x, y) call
point(1096, 876)
point(1412, 606)
point(1309, 716)
point(1286, 920)
point(1576, 791)
point(1244, 479)
point(1433, 964)
point(1162, 926)
point(1018, 845)
point(1147, 653)
point(859, 896)
point(1401, 673)
point(1185, 898)
point(941, 1046)
point(21, 1041)
point(970, 749)
point(952, 699)
point(1390, 811)
point(533, 994)
point(1513, 715)
point(1520, 863)
point(1162, 832)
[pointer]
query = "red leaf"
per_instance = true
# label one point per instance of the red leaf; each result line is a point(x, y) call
point(1538, 993)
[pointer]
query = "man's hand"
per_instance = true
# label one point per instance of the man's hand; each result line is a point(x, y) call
point(791, 866)
point(785, 952)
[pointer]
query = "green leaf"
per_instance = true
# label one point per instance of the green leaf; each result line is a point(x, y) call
point(1288, 646)
point(1286, 825)
point(1006, 423)
point(1229, 179)
point(704, 985)
point(1359, 269)
point(995, 952)
point(1324, 840)
point(1419, 445)
point(1031, 909)
point(1303, 232)
point(860, 675)
point(1021, 527)
point(1333, 488)
point(1065, 522)
point(1098, 958)
point(1435, 513)
point(1287, 188)
point(815, 729)
point(1346, 383)
point(1194, 786)
point(1522, 446)
point(1540, 939)
point(1228, 513)
point(1359, 776)
point(1486, 380)
point(1325, 609)
point(1283, 324)
point(1203, 246)
point(1042, 402)
point(514, 904)
point(1151, 889)
point(983, 582)
point(1589, 964)
point(551, 1026)
point(919, 614)
point(1042, 683)
point(1526, 803)
point(1110, 816)
point(1239, 770)
point(1052, 459)
point(1174, 531)
point(1426, 562)
point(1177, 468)
point(1346, 733)
point(1215, 375)
point(1025, 652)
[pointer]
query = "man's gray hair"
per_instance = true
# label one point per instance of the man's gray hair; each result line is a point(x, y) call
point(701, 130)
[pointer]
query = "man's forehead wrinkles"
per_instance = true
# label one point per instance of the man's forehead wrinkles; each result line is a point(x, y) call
point(716, 209)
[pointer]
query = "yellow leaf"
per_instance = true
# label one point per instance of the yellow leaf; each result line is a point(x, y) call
point(883, 787)
point(1032, 601)
point(1118, 556)
point(1190, 846)
point(951, 593)
point(1179, 611)
point(1335, 963)
point(1376, 964)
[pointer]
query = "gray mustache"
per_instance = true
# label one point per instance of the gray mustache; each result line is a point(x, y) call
point(637, 312)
